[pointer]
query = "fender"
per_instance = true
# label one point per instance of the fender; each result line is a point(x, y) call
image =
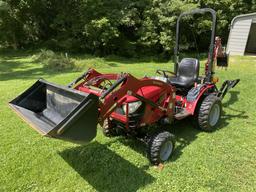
point(196, 94)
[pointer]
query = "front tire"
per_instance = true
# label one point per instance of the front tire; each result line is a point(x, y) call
point(210, 113)
point(109, 130)
point(161, 147)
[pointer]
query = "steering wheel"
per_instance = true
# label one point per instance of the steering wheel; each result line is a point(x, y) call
point(164, 72)
point(102, 85)
point(105, 84)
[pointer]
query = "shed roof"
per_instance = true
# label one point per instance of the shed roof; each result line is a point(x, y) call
point(239, 33)
point(252, 15)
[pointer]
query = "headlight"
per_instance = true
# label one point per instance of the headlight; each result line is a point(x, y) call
point(132, 107)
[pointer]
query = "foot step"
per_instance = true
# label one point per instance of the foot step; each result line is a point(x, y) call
point(182, 114)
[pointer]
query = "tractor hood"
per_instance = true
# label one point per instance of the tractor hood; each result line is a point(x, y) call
point(149, 92)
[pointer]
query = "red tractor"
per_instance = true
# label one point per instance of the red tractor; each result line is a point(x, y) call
point(125, 105)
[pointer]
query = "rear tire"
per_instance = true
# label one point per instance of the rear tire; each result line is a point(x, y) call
point(160, 147)
point(209, 113)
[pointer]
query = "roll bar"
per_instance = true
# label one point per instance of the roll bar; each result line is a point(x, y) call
point(211, 49)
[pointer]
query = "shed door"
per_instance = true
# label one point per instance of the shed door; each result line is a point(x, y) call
point(238, 36)
point(251, 44)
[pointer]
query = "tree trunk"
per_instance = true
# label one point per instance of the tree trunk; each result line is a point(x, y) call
point(14, 42)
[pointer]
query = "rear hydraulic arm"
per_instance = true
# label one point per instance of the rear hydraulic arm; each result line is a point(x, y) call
point(226, 86)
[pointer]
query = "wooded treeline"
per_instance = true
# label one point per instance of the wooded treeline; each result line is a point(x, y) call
point(122, 27)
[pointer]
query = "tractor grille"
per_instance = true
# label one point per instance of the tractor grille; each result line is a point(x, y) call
point(134, 119)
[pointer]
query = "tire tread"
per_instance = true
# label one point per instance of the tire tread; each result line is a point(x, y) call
point(204, 112)
point(155, 144)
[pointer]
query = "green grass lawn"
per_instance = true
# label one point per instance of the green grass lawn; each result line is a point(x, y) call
point(221, 161)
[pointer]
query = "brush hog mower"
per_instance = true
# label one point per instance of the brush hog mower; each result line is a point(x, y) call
point(124, 105)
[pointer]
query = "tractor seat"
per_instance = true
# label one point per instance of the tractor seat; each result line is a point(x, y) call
point(187, 73)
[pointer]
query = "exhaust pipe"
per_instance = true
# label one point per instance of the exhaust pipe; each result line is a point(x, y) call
point(59, 112)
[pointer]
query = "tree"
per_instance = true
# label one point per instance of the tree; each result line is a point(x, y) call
point(124, 27)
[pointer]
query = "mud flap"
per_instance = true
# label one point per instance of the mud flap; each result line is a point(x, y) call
point(59, 112)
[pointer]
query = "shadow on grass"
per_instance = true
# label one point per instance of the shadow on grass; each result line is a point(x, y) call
point(10, 70)
point(104, 169)
point(33, 73)
point(184, 133)
point(13, 66)
point(16, 54)
point(234, 97)
point(124, 60)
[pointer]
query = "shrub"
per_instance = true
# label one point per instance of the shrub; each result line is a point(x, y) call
point(52, 60)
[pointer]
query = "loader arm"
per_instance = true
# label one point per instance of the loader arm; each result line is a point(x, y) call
point(127, 84)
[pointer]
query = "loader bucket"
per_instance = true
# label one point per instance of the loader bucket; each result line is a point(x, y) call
point(59, 112)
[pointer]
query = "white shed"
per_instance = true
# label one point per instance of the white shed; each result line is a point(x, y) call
point(242, 36)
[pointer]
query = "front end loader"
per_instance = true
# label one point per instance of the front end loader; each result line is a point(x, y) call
point(57, 111)
point(121, 104)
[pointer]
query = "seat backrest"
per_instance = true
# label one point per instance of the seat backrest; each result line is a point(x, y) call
point(188, 68)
